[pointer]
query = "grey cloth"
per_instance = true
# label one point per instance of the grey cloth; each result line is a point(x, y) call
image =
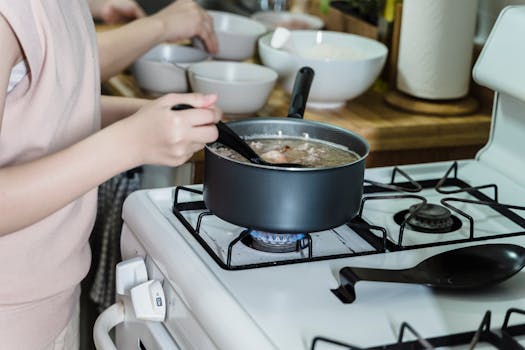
point(105, 238)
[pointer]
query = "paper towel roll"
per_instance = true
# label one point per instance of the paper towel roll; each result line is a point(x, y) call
point(435, 48)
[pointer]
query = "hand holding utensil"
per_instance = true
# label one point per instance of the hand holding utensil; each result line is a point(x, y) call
point(229, 138)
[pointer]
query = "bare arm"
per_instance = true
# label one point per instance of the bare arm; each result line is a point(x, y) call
point(179, 21)
point(115, 11)
point(116, 108)
point(154, 135)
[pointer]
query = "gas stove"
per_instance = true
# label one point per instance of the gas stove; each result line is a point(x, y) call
point(287, 298)
point(228, 287)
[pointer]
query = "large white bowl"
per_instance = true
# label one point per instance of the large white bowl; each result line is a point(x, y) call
point(163, 69)
point(345, 65)
point(286, 19)
point(236, 35)
point(243, 88)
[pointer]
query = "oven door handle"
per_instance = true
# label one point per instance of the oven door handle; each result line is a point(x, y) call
point(108, 319)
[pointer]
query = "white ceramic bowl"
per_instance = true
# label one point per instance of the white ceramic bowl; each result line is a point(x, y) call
point(290, 20)
point(345, 65)
point(163, 69)
point(236, 35)
point(243, 88)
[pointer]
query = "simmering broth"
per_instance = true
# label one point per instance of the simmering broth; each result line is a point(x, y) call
point(308, 152)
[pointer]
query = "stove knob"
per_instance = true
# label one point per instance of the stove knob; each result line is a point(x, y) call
point(130, 273)
point(149, 301)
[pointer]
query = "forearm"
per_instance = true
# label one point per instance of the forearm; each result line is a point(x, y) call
point(115, 108)
point(153, 135)
point(29, 192)
point(118, 48)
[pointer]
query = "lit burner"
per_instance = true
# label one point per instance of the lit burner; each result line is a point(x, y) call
point(275, 242)
point(431, 218)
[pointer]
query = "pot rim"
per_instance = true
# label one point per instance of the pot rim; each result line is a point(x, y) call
point(297, 121)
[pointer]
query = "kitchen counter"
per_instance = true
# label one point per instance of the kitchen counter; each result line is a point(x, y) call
point(395, 137)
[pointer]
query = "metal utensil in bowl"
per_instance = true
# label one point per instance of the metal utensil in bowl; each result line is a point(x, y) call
point(470, 267)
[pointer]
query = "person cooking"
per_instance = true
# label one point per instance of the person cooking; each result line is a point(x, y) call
point(54, 153)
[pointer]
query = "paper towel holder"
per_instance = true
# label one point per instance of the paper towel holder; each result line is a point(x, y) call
point(408, 103)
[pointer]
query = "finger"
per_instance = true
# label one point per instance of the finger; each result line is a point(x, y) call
point(129, 11)
point(217, 113)
point(196, 147)
point(199, 117)
point(210, 41)
point(203, 134)
point(207, 34)
point(139, 12)
point(196, 100)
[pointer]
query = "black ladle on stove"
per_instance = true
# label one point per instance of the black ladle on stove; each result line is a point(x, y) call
point(230, 138)
point(460, 269)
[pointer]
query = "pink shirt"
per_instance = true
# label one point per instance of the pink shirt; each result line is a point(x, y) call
point(54, 106)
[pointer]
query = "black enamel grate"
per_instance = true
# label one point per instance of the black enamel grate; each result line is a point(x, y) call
point(374, 235)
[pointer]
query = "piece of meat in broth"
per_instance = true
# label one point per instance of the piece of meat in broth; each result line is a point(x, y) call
point(274, 156)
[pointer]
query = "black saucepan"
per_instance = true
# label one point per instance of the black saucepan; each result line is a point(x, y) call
point(286, 200)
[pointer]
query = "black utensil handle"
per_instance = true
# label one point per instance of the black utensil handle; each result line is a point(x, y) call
point(181, 107)
point(300, 91)
point(382, 275)
point(349, 276)
point(229, 138)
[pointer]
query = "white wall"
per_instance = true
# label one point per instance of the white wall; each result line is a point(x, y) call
point(487, 13)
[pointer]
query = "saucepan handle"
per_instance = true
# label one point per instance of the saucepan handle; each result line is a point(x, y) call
point(300, 91)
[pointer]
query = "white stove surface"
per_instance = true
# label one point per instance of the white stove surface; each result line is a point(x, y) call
point(286, 307)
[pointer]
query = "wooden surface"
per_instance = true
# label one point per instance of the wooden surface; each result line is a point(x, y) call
point(388, 129)
point(395, 137)
point(462, 106)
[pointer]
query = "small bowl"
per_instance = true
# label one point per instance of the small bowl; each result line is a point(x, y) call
point(163, 69)
point(345, 65)
point(236, 36)
point(289, 20)
point(243, 88)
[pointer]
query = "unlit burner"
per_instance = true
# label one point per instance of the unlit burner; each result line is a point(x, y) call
point(275, 242)
point(431, 218)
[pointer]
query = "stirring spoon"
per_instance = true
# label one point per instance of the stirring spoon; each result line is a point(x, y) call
point(230, 138)
point(463, 268)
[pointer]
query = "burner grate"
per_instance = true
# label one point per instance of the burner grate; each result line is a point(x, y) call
point(377, 242)
point(438, 185)
point(376, 236)
point(503, 338)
